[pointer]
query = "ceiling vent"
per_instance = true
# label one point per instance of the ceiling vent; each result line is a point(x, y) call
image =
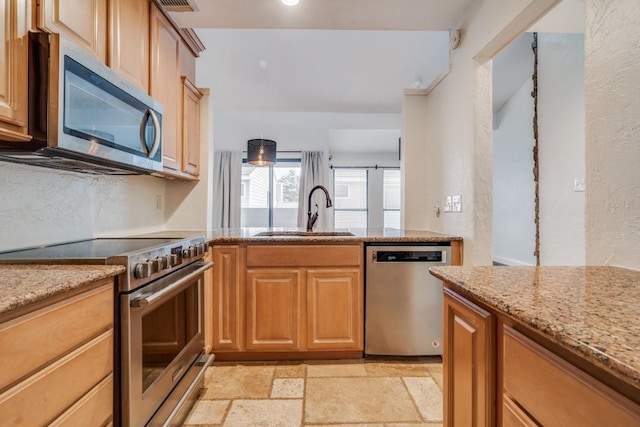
point(179, 5)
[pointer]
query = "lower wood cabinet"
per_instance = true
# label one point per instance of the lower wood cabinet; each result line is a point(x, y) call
point(274, 309)
point(555, 393)
point(334, 309)
point(287, 299)
point(496, 375)
point(57, 362)
point(228, 299)
point(468, 363)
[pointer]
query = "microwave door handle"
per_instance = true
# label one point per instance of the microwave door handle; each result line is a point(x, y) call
point(156, 134)
point(150, 152)
point(143, 133)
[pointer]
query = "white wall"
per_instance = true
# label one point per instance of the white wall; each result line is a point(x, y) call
point(295, 131)
point(417, 168)
point(189, 204)
point(612, 76)
point(459, 129)
point(40, 206)
point(561, 124)
point(513, 186)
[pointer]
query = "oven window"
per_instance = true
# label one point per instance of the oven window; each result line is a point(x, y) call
point(166, 331)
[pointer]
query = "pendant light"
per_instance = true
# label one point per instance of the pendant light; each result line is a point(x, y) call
point(261, 152)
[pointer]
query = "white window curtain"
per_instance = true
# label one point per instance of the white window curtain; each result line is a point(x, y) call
point(227, 169)
point(312, 173)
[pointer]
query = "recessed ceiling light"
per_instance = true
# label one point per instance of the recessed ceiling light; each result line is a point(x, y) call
point(290, 2)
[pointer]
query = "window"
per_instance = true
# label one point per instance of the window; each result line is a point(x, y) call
point(270, 194)
point(351, 206)
point(391, 195)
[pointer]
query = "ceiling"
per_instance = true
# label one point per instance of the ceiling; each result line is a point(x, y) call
point(326, 14)
point(336, 56)
point(322, 56)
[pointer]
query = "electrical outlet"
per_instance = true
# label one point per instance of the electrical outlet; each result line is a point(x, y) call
point(578, 185)
point(456, 203)
point(158, 201)
point(447, 204)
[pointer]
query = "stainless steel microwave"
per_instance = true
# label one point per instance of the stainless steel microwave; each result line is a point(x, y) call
point(85, 117)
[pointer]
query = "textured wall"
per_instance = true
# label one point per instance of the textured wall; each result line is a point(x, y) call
point(40, 206)
point(513, 187)
point(561, 127)
point(612, 78)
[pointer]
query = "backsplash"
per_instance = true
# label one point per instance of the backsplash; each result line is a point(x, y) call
point(41, 206)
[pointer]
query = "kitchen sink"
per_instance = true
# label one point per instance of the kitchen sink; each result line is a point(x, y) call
point(303, 233)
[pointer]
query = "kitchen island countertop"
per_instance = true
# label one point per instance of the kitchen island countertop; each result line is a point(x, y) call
point(25, 284)
point(593, 312)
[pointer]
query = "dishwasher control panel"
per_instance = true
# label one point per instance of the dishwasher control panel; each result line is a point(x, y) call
point(410, 256)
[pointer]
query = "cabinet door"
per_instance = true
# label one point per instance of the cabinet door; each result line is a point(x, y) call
point(165, 85)
point(14, 17)
point(274, 309)
point(83, 21)
point(468, 363)
point(190, 127)
point(334, 309)
point(129, 40)
point(228, 298)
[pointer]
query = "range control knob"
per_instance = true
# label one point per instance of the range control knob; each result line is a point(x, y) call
point(156, 265)
point(185, 253)
point(142, 270)
point(165, 261)
point(173, 260)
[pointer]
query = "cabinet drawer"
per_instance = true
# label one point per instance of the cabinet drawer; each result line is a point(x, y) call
point(94, 409)
point(49, 393)
point(303, 255)
point(44, 335)
point(513, 416)
point(555, 392)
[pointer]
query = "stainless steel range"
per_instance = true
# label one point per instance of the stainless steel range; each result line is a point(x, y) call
point(159, 358)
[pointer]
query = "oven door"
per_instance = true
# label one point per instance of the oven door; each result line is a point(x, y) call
point(161, 327)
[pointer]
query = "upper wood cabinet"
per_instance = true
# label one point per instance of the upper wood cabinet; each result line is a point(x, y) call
point(166, 85)
point(190, 127)
point(468, 363)
point(129, 40)
point(83, 21)
point(15, 18)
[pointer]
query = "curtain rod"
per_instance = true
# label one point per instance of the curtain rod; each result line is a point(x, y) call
point(280, 151)
point(364, 167)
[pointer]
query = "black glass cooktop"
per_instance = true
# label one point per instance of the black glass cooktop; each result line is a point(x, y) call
point(86, 249)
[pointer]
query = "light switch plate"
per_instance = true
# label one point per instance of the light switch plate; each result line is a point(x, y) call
point(447, 204)
point(578, 185)
point(456, 203)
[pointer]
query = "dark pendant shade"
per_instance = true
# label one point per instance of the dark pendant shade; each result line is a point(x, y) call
point(261, 152)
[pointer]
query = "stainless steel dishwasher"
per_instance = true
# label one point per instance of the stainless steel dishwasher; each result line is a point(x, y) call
point(403, 302)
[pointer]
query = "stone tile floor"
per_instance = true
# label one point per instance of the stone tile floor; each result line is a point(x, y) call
point(364, 393)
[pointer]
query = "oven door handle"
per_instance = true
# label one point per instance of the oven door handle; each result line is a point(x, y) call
point(149, 301)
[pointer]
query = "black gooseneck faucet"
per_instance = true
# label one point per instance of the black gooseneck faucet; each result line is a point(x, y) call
point(311, 219)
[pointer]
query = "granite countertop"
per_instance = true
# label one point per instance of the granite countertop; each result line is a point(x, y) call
point(591, 311)
point(21, 285)
point(248, 235)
